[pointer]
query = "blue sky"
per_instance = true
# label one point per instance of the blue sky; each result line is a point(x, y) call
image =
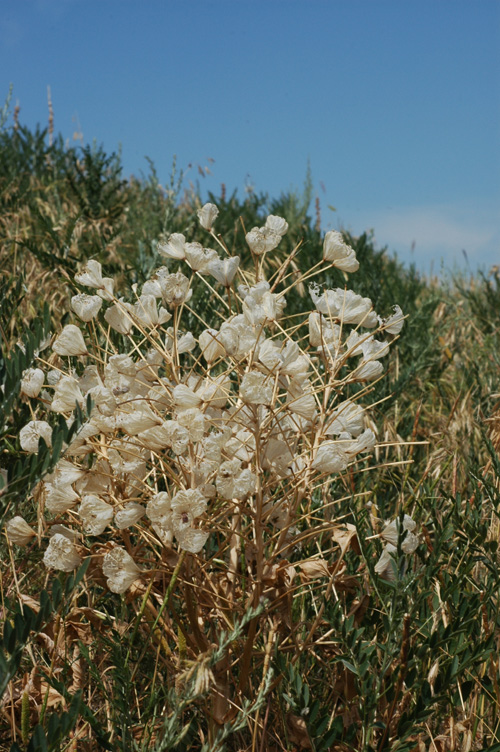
point(395, 104)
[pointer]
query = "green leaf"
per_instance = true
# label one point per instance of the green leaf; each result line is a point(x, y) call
point(349, 666)
point(38, 741)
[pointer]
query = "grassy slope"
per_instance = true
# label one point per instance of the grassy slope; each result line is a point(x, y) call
point(399, 663)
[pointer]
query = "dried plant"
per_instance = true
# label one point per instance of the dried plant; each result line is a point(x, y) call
point(206, 454)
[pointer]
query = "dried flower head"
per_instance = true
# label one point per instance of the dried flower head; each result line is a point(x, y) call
point(32, 432)
point(339, 253)
point(213, 433)
point(207, 215)
point(32, 382)
point(120, 570)
point(86, 307)
point(70, 342)
point(61, 554)
point(18, 531)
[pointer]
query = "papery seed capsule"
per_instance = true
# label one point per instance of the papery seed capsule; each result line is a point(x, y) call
point(129, 515)
point(96, 515)
point(32, 382)
point(120, 570)
point(207, 215)
point(18, 531)
point(70, 342)
point(339, 253)
point(61, 554)
point(86, 307)
point(31, 433)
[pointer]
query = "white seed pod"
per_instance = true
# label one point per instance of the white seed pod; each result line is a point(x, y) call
point(339, 253)
point(215, 391)
point(278, 457)
point(178, 436)
point(53, 377)
point(159, 510)
point(96, 481)
point(277, 225)
point(59, 498)
point(106, 292)
point(323, 332)
point(90, 275)
point(170, 434)
point(256, 241)
point(270, 354)
point(86, 307)
point(120, 570)
point(304, 405)
point(344, 305)
point(207, 215)
point(194, 421)
point(371, 348)
point(79, 444)
point(136, 421)
point(64, 474)
point(152, 287)
point(70, 342)
point(71, 535)
point(294, 362)
point(147, 314)
point(226, 474)
point(393, 324)
point(30, 434)
point(234, 483)
point(241, 445)
point(155, 439)
point(61, 554)
point(368, 370)
point(210, 345)
point(89, 379)
point(125, 457)
point(118, 317)
point(95, 514)
point(364, 443)
point(390, 533)
point(67, 394)
point(260, 304)
point(224, 270)
point(256, 389)
point(174, 247)
point(264, 239)
point(347, 416)
point(198, 257)
point(185, 398)
point(32, 382)
point(229, 338)
point(185, 342)
point(386, 567)
point(103, 400)
point(129, 515)
point(165, 535)
point(176, 290)
point(186, 507)
point(192, 540)
point(330, 458)
point(18, 531)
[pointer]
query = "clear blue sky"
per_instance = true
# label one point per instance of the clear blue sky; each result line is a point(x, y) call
point(395, 103)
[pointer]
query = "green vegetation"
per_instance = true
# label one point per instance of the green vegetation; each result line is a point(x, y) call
point(332, 656)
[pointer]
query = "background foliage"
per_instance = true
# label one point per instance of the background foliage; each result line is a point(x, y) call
point(410, 665)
